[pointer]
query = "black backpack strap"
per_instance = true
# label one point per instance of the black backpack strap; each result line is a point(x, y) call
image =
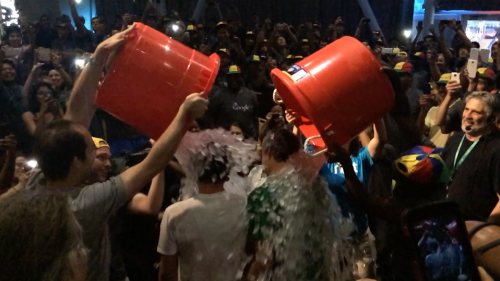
point(479, 227)
point(485, 248)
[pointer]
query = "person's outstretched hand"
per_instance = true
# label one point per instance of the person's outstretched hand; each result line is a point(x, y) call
point(9, 144)
point(292, 117)
point(195, 105)
point(113, 43)
point(453, 87)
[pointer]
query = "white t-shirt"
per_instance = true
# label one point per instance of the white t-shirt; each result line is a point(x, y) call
point(208, 232)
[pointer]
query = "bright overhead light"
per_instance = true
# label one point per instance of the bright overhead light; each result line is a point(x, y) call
point(407, 33)
point(78, 1)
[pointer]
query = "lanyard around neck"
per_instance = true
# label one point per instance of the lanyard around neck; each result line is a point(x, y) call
point(462, 159)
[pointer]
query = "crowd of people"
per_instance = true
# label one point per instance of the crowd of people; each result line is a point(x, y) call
point(232, 195)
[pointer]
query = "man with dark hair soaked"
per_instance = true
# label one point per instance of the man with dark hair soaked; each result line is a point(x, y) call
point(203, 238)
point(66, 152)
point(294, 220)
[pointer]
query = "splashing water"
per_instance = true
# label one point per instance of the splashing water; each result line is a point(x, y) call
point(305, 229)
point(303, 223)
point(195, 153)
point(305, 226)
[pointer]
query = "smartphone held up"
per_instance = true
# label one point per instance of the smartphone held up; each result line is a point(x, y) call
point(440, 242)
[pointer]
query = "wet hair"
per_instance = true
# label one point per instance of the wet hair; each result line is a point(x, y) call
point(57, 146)
point(34, 105)
point(280, 144)
point(270, 126)
point(216, 166)
point(40, 237)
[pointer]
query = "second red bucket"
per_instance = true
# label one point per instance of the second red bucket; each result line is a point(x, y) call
point(151, 77)
point(338, 92)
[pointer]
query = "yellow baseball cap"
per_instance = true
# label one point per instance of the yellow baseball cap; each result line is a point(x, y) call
point(255, 58)
point(99, 143)
point(444, 78)
point(402, 55)
point(234, 69)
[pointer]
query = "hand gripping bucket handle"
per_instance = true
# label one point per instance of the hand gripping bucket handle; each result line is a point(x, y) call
point(306, 144)
point(275, 97)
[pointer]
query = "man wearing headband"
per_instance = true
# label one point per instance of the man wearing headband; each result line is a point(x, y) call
point(473, 156)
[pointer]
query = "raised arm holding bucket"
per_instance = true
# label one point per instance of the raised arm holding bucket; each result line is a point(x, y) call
point(337, 92)
point(151, 77)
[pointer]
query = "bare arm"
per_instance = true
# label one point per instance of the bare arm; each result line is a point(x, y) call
point(29, 121)
point(263, 262)
point(7, 173)
point(442, 119)
point(377, 206)
point(162, 152)
point(458, 29)
point(239, 50)
point(496, 210)
point(364, 138)
point(448, 56)
point(292, 36)
point(149, 7)
point(498, 53)
point(81, 107)
point(177, 168)
point(260, 38)
point(435, 73)
point(414, 42)
point(169, 268)
point(361, 24)
point(76, 18)
point(376, 145)
point(424, 109)
point(32, 78)
point(149, 204)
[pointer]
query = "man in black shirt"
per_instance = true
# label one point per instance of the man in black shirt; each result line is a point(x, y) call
point(234, 104)
point(474, 159)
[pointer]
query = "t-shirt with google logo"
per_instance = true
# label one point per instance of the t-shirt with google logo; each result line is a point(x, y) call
point(226, 108)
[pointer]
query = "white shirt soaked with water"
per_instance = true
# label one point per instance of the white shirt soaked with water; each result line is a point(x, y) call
point(208, 232)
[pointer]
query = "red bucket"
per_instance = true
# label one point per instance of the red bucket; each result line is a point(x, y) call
point(338, 92)
point(151, 77)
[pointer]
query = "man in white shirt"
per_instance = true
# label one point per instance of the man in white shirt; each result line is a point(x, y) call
point(205, 234)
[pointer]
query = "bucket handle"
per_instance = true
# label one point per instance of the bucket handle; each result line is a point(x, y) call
point(306, 143)
point(275, 98)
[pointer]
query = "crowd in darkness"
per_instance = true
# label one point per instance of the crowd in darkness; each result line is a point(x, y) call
point(85, 196)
